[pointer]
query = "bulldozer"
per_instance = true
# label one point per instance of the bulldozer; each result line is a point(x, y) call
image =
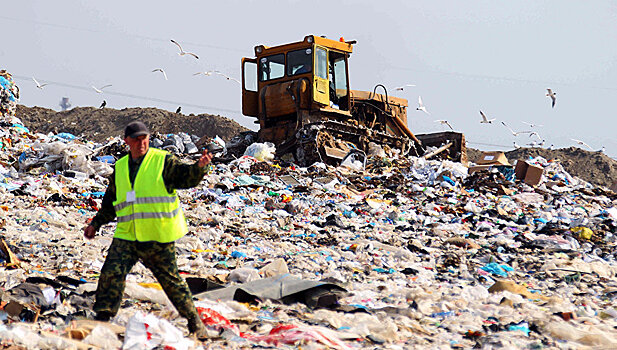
point(300, 95)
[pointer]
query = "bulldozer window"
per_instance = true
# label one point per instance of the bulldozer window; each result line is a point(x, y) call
point(250, 76)
point(322, 63)
point(338, 79)
point(271, 67)
point(299, 61)
point(340, 76)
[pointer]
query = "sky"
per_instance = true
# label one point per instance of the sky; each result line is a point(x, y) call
point(463, 56)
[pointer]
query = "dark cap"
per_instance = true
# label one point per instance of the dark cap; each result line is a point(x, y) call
point(135, 129)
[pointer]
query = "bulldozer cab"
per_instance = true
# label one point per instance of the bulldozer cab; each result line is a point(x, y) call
point(282, 81)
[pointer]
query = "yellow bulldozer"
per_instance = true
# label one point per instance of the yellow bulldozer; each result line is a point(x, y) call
point(300, 94)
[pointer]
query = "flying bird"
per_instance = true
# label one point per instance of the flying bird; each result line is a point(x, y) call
point(582, 143)
point(178, 110)
point(515, 133)
point(532, 125)
point(40, 86)
point(182, 52)
point(421, 106)
point(401, 88)
point(208, 73)
point(551, 94)
point(533, 133)
point(444, 122)
point(103, 104)
point(160, 70)
point(227, 77)
point(100, 90)
point(485, 120)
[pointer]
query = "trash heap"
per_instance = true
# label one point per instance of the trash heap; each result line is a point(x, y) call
point(399, 252)
point(9, 94)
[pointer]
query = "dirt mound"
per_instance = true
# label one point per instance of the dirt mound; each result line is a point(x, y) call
point(594, 167)
point(98, 124)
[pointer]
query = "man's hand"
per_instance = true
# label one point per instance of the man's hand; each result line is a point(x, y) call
point(205, 158)
point(89, 232)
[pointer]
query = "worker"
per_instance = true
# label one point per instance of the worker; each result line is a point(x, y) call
point(142, 196)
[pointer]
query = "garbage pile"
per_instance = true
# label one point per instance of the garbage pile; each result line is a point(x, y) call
point(400, 252)
point(9, 94)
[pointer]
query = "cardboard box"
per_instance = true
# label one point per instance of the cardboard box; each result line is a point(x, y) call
point(493, 158)
point(529, 173)
point(520, 169)
point(473, 169)
point(489, 160)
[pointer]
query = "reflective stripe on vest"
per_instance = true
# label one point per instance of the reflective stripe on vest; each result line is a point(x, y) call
point(154, 214)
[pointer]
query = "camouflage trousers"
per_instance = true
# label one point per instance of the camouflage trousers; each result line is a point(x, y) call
point(160, 258)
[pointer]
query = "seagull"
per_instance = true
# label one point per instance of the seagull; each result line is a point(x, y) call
point(550, 148)
point(582, 143)
point(515, 145)
point(401, 88)
point(103, 104)
point(100, 90)
point(485, 120)
point(227, 77)
point(40, 86)
point(536, 144)
point(541, 144)
point(178, 110)
point(533, 133)
point(160, 70)
point(208, 73)
point(602, 150)
point(515, 133)
point(551, 94)
point(182, 52)
point(445, 122)
point(421, 106)
point(532, 125)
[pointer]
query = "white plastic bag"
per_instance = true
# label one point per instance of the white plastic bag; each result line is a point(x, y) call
point(103, 337)
point(354, 160)
point(261, 151)
point(146, 331)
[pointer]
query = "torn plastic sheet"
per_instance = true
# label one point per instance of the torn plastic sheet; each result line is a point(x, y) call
point(285, 288)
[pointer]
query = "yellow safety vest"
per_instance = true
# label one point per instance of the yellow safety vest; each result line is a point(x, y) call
point(150, 213)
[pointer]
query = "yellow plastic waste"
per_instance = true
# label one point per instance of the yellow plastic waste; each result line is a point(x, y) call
point(583, 232)
point(151, 285)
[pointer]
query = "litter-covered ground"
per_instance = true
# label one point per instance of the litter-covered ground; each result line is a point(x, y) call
point(400, 252)
point(592, 166)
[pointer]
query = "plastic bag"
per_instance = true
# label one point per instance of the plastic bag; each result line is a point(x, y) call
point(215, 320)
point(103, 337)
point(243, 275)
point(146, 331)
point(261, 151)
point(355, 160)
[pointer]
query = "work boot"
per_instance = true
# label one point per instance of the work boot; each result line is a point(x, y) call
point(199, 330)
point(103, 316)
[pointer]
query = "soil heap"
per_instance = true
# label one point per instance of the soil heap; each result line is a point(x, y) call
point(98, 124)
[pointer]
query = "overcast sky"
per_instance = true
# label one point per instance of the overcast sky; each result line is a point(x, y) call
point(464, 56)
